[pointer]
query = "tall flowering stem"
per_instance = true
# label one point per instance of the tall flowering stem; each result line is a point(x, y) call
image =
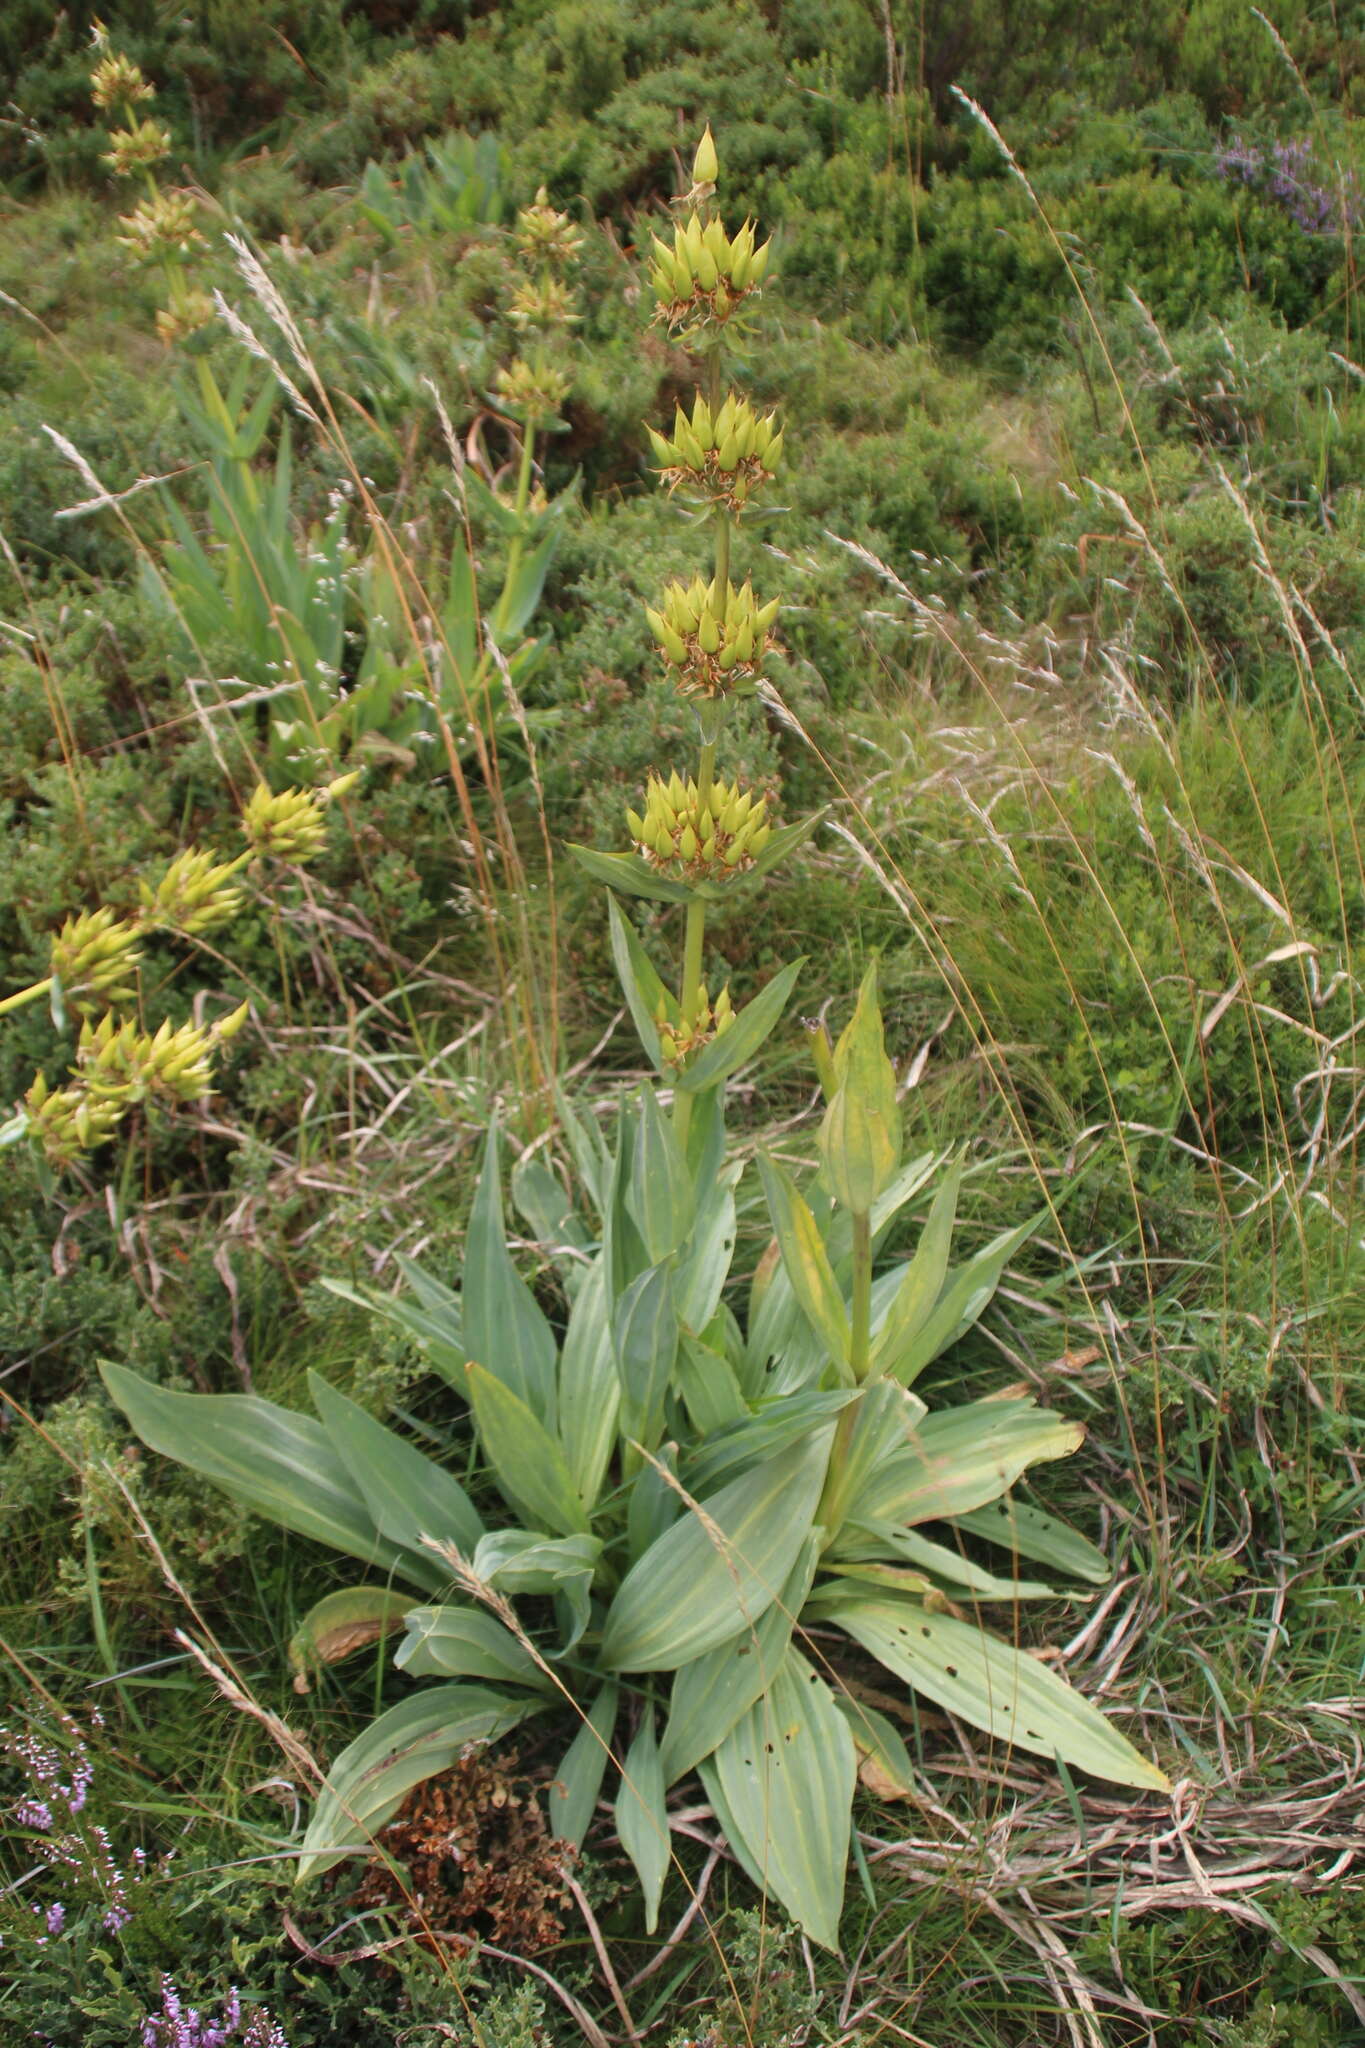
point(712, 636)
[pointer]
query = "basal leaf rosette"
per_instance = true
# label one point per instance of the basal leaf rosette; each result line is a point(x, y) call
point(726, 455)
point(713, 645)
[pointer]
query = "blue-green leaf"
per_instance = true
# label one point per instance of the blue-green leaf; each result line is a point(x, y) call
point(577, 1782)
point(530, 1467)
point(642, 1816)
point(503, 1326)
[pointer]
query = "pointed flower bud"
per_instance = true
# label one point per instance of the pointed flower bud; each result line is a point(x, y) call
point(706, 276)
point(706, 164)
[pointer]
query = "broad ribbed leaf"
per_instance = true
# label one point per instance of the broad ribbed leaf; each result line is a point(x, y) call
point(412, 1741)
point(577, 1782)
point(705, 1265)
point(503, 1326)
point(755, 1438)
point(589, 1390)
point(642, 1816)
point(806, 1261)
point(963, 1458)
point(736, 1046)
point(408, 1495)
point(660, 1196)
point(645, 1334)
point(997, 1688)
point(707, 1385)
point(787, 1771)
point(1019, 1526)
point(530, 1467)
point(466, 1642)
point(884, 1765)
point(710, 1694)
point(655, 1503)
point(959, 1576)
point(273, 1461)
point(718, 1569)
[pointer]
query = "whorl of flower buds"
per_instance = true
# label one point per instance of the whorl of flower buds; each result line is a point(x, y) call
point(288, 824)
point(542, 305)
point(195, 894)
point(726, 455)
point(546, 236)
point(117, 82)
point(137, 148)
point(68, 1122)
point(706, 275)
point(689, 840)
point(161, 226)
point(123, 1064)
point(191, 311)
point(534, 391)
point(94, 957)
point(715, 646)
point(679, 1041)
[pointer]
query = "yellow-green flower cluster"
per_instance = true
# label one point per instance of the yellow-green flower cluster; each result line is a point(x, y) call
point(95, 957)
point(137, 148)
point(533, 391)
point(706, 274)
point(543, 303)
point(689, 838)
point(289, 824)
point(117, 82)
point(119, 1064)
point(160, 227)
point(545, 236)
point(725, 454)
point(714, 645)
point(678, 1041)
point(195, 894)
point(191, 311)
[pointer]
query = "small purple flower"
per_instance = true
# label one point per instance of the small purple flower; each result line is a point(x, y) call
point(34, 1813)
point(56, 1917)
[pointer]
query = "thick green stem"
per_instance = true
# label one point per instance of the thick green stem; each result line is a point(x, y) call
point(25, 995)
point(833, 1506)
point(691, 985)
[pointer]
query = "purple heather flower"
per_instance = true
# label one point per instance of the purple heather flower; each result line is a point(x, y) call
point(56, 1917)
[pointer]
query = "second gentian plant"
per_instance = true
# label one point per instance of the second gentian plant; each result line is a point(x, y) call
point(703, 1491)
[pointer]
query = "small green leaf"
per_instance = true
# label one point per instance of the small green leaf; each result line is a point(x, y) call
point(576, 1784)
point(1026, 1530)
point(719, 1567)
point(860, 1137)
point(737, 1046)
point(642, 987)
point(708, 1388)
point(631, 876)
point(965, 1295)
point(787, 1772)
point(530, 1467)
point(655, 1503)
point(784, 841)
point(642, 1816)
point(340, 1624)
point(503, 1326)
point(410, 1742)
point(466, 1642)
point(922, 1282)
point(806, 1261)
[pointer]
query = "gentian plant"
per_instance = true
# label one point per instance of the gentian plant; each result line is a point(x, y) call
point(701, 1493)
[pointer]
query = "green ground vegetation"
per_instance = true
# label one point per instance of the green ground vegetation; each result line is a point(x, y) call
point(1072, 647)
